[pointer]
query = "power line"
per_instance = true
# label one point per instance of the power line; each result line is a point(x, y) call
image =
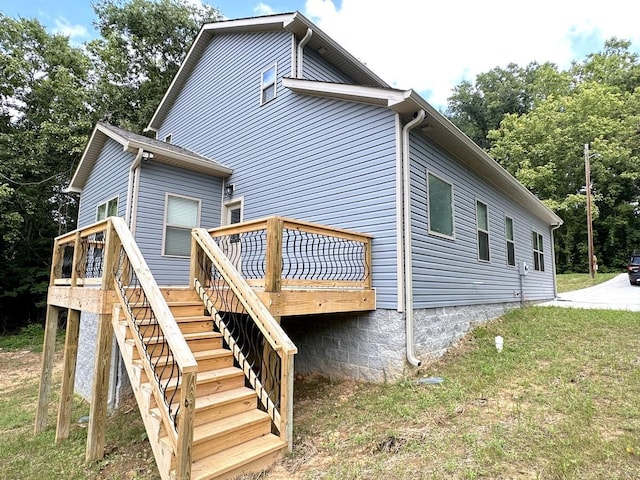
point(24, 184)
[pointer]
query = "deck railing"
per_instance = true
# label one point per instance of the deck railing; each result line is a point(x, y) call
point(259, 345)
point(105, 254)
point(278, 253)
point(78, 256)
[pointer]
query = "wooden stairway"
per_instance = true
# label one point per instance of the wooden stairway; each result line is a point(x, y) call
point(231, 435)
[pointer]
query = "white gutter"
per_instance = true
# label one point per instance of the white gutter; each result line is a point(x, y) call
point(300, 57)
point(408, 270)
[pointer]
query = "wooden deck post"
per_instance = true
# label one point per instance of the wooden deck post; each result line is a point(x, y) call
point(48, 351)
point(368, 264)
point(100, 391)
point(186, 425)
point(68, 375)
point(77, 257)
point(286, 400)
point(195, 272)
point(102, 364)
point(273, 260)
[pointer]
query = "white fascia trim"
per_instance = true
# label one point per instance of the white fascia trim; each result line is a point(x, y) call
point(267, 22)
point(356, 93)
point(71, 188)
point(151, 126)
point(217, 168)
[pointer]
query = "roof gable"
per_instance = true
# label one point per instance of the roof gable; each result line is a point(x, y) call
point(296, 23)
point(132, 142)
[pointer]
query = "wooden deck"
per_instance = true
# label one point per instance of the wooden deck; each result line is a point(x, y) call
point(190, 351)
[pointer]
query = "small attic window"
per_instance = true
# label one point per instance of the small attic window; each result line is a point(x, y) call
point(168, 138)
point(268, 84)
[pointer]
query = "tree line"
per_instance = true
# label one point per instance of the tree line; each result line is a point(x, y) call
point(51, 95)
point(534, 120)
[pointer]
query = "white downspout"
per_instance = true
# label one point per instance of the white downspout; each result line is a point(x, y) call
point(130, 187)
point(408, 268)
point(300, 55)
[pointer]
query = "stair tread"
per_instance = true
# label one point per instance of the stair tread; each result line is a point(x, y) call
point(225, 397)
point(171, 303)
point(187, 336)
point(226, 425)
point(184, 319)
point(227, 460)
point(199, 356)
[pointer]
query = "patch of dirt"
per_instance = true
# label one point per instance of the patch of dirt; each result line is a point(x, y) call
point(23, 366)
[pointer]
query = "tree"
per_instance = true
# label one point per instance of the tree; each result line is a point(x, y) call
point(143, 43)
point(480, 107)
point(544, 150)
point(44, 122)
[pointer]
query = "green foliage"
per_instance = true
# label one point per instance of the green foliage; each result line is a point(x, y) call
point(539, 134)
point(51, 95)
point(44, 122)
point(140, 50)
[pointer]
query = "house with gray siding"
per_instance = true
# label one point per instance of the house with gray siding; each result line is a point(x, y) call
point(270, 116)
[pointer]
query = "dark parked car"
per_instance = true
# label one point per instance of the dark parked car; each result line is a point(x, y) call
point(633, 268)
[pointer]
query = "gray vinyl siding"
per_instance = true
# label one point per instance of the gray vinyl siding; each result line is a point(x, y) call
point(156, 180)
point(314, 67)
point(447, 272)
point(309, 158)
point(109, 178)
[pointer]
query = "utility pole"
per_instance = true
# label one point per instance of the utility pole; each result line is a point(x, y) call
point(587, 174)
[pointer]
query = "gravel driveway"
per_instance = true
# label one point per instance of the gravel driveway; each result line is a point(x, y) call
point(615, 294)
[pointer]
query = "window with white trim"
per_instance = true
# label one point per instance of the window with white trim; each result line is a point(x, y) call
point(182, 214)
point(168, 138)
point(268, 84)
point(511, 242)
point(440, 207)
point(538, 251)
point(107, 209)
point(482, 223)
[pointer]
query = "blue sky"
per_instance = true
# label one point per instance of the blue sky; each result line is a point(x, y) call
point(427, 45)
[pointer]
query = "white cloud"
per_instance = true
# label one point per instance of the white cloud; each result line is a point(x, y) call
point(431, 46)
point(74, 32)
point(262, 8)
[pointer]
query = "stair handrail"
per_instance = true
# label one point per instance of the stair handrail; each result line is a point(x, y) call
point(181, 428)
point(263, 320)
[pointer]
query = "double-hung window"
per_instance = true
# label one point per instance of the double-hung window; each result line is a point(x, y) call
point(268, 84)
point(182, 214)
point(482, 222)
point(538, 252)
point(511, 242)
point(440, 207)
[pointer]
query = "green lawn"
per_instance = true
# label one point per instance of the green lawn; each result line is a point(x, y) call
point(575, 281)
point(559, 402)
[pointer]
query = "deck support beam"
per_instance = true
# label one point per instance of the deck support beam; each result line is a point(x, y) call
point(100, 391)
point(104, 347)
point(68, 375)
point(46, 376)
